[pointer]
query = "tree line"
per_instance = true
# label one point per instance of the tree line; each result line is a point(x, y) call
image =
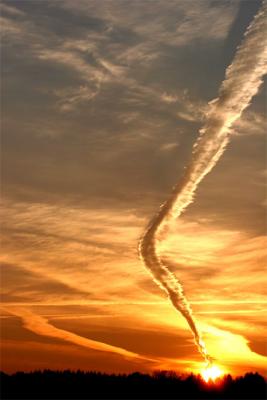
point(68, 384)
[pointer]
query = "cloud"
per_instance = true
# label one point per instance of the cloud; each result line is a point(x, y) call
point(12, 11)
point(169, 98)
point(232, 350)
point(175, 23)
point(229, 263)
point(106, 53)
point(252, 123)
point(40, 325)
point(166, 147)
point(22, 286)
point(73, 61)
point(73, 248)
point(9, 28)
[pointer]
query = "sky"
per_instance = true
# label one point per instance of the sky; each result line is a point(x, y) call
point(102, 102)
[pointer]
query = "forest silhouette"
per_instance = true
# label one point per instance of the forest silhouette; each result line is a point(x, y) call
point(68, 384)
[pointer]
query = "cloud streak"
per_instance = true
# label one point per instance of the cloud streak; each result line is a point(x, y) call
point(242, 82)
point(41, 326)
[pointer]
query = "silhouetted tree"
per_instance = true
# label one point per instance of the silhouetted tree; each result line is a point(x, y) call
point(68, 384)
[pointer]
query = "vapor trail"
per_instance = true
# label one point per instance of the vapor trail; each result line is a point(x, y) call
point(242, 81)
point(39, 325)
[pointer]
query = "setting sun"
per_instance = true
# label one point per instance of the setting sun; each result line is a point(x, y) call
point(211, 373)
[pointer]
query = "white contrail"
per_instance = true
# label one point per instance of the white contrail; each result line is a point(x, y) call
point(242, 81)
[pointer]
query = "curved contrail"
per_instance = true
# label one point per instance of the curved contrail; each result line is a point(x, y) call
point(242, 81)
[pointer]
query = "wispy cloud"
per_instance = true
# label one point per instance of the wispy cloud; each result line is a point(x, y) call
point(85, 240)
point(10, 10)
point(175, 23)
point(233, 251)
point(40, 325)
point(99, 56)
point(252, 123)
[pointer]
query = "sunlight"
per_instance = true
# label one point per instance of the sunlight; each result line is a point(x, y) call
point(211, 373)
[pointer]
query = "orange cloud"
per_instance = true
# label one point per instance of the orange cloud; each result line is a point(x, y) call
point(40, 325)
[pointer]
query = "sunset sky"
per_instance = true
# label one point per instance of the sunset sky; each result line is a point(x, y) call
point(102, 103)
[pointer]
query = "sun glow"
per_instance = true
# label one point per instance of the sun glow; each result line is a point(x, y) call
point(210, 374)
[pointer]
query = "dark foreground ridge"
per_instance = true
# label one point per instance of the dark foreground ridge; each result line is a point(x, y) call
point(161, 385)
